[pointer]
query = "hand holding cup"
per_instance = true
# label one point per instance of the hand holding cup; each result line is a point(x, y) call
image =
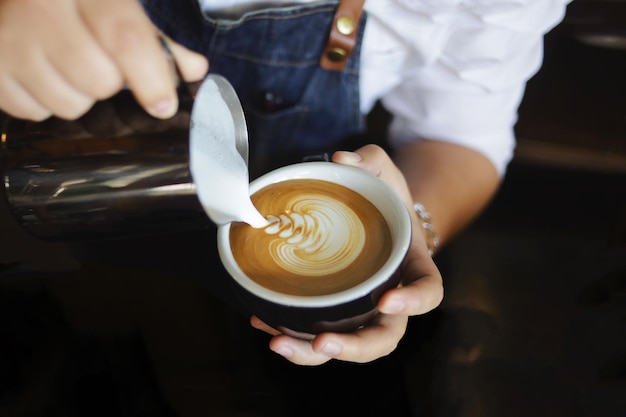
point(337, 239)
point(420, 289)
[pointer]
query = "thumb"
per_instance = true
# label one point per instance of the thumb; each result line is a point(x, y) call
point(370, 158)
point(192, 65)
point(347, 158)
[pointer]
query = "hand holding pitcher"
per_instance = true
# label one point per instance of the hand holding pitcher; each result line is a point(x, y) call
point(59, 58)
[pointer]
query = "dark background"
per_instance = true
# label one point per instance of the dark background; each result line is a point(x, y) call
point(534, 320)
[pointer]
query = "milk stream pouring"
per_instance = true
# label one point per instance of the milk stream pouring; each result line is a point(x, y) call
point(118, 172)
point(218, 155)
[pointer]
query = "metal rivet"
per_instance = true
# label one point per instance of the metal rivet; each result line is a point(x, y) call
point(336, 54)
point(345, 25)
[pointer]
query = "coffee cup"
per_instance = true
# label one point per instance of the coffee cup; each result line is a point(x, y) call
point(335, 243)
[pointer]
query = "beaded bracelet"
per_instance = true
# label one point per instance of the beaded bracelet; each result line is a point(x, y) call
point(432, 238)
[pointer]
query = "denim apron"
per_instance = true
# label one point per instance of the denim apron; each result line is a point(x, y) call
point(294, 108)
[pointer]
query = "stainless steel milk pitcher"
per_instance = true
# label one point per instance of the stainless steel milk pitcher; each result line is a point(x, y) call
point(114, 172)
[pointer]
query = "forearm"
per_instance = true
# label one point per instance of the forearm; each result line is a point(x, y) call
point(453, 182)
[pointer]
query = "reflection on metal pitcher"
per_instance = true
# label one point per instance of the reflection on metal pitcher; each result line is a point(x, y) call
point(116, 171)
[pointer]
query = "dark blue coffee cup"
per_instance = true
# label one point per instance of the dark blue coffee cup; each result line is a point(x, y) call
point(347, 309)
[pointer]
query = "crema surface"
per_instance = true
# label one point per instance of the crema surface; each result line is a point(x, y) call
point(322, 238)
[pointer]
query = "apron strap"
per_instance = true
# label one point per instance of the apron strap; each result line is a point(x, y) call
point(342, 37)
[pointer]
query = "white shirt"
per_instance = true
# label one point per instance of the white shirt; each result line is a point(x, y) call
point(451, 70)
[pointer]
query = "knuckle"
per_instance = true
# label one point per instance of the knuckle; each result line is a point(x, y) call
point(374, 149)
point(390, 349)
point(127, 37)
point(436, 296)
point(38, 116)
point(108, 83)
point(439, 298)
point(22, 109)
point(368, 354)
point(34, 113)
point(75, 109)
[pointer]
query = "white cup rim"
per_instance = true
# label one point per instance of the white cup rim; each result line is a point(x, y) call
point(382, 195)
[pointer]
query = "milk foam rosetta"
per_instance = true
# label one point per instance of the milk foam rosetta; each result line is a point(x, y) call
point(317, 235)
point(322, 238)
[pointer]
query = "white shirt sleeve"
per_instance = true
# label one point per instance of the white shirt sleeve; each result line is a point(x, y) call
point(463, 78)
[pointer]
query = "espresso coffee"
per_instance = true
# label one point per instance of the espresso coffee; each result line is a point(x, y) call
point(323, 238)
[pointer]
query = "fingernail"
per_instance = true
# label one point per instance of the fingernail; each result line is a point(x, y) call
point(284, 351)
point(164, 108)
point(351, 157)
point(394, 305)
point(332, 349)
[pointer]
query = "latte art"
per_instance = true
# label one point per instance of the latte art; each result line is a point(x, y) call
point(317, 236)
point(322, 238)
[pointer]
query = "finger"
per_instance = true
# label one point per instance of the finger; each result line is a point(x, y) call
point(257, 323)
point(371, 158)
point(374, 159)
point(192, 66)
point(45, 85)
point(297, 351)
point(356, 159)
point(377, 339)
point(19, 103)
point(374, 341)
point(52, 34)
point(88, 67)
point(128, 36)
point(417, 297)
